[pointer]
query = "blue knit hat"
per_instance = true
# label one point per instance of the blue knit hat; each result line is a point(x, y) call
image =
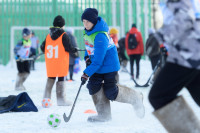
point(90, 14)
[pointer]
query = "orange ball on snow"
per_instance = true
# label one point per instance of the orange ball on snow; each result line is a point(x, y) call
point(46, 103)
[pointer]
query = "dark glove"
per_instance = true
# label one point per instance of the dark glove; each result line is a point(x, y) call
point(35, 57)
point(76, 49)
point(18, 58)
point(84, 78)
point(163, 50)
point(88, 61)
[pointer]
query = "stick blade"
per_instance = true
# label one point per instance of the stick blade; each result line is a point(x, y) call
point(146, 85)
point(66, 119)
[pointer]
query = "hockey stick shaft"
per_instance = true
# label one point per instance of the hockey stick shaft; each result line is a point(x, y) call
point(81, 50)
point(147, 83)
point(27, 59)
point(66, 119)
point(32, 58)
point(37, 56)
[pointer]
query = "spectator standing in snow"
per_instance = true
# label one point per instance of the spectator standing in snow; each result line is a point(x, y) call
point(102, 66)
point(22, 51)
point(121, 53)
point(57, 47)
point(157, 53)
point(72, 56)
point(34, 49)
point(181, 32)
point(153, 48)
point(135, 53)
point(113, 34)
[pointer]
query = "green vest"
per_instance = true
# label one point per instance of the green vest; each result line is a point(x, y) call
point(26, 43)
point(91, 37)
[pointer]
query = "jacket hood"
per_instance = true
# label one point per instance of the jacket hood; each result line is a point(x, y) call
point(133, 30)
point(56, 32)
point(100, 26)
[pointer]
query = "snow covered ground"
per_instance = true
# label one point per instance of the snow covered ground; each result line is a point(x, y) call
point(123, 118)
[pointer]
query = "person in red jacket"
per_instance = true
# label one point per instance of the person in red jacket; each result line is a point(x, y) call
point(135, 53)
point(113, 34)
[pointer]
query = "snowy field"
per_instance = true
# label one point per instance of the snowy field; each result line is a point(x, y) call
point(123, 118)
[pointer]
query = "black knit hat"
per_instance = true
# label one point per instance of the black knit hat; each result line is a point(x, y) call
point(26, 32)
point(134, 25)
point(58, 21)
point(90, 14)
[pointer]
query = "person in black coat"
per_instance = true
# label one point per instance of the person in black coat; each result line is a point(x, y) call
point(121, 53)
point(72, 56)
point(153, 48)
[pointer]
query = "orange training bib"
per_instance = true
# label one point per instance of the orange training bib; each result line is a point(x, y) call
point(56, 58)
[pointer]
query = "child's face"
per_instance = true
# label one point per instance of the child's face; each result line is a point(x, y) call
point(87, 24)
point(27, 37)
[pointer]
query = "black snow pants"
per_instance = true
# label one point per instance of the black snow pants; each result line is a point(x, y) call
point(170, 81)
point(135, 57)
point(23, 67)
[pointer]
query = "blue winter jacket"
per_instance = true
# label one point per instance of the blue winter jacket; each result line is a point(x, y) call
point(104, 58)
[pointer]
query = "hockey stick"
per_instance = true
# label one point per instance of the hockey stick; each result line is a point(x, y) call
point(81, 50)
point(22, 60)
point(32, 58)
point(66, 119)
point(37, 56)
point(147, 83)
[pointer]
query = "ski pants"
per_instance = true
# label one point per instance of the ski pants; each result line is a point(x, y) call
point(23, 67)
point(59, 78)
point(170, 81)
point(136, 57)
point(109, 85)
point(154, 60)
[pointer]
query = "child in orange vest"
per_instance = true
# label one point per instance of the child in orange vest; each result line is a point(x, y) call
point(56, 47)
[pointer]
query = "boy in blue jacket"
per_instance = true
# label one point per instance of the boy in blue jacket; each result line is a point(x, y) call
point(102, 67)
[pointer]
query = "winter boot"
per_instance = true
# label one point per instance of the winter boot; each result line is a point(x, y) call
point(48, 88)
point(137, 74)
point(132, 77)
point(61, 94)
point(31, 62)
point(25, 76)
point(124, 64)
point(178, 117)
point(102, 105)
point(117, 77)
point(21, 77)
point(32, 65)
point(128, 95)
